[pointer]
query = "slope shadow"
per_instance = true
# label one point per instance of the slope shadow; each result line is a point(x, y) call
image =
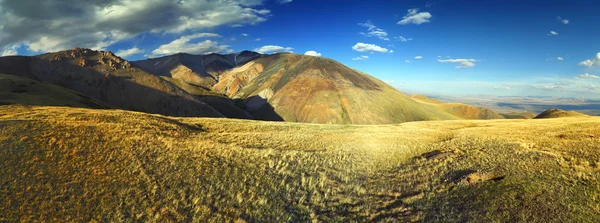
point(226, 106)
point(260, 108)
point(120, 91)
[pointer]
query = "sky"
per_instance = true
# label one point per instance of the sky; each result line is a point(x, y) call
point(455, 47)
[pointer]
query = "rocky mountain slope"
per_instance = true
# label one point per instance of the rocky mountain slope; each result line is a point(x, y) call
point(247, 85)
point(110, 79)
point(300, 88)
point(199, 70)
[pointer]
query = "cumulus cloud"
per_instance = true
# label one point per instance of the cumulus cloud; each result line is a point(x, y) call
point(586, 75)
point(415, 17)
point(594, 62)
point(273, 49)
point(312, 53)
point(244, 34)
point(374, 31)
point(361, 58)
point(418, 57)
point(552, 33)
point(407, 61)
point(129, 52)
point(560, 58)
point(185, 45)
point(284, 1)
point(366, 47)
point(463, 63)
point(52, 25)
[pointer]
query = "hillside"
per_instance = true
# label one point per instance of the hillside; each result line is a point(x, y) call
point(110, 79)
point(20, 90)
point(423, 98)
point(519, 115)
point(459, 110)
point(298, 88)
point(84, 165)
point(200, 70)
point(557, 113)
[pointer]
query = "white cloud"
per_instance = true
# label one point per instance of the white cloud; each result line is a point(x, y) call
point(560, 58)
point(586, 75)
point(418, 57)
point(374, 31)
point(552, 33)
point(244, 34)
point(284, 1)
point(258, 39)
point(407, 61)
point(594, 62)
point(183, 45)
point(463, 63)
point(563, 21)
point(361, 58)
point(546, 87)
point(365, 47)
point(502, 87)
point(273, 49)
point(312, 53)
point(129, 52)
point(401, 38)
point(415, 17)
point(52, 25)
point(11, 51)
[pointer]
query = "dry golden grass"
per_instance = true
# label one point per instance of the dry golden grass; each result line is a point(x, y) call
point(66, 164)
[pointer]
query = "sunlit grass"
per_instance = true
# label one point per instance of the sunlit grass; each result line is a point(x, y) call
point(65, 164)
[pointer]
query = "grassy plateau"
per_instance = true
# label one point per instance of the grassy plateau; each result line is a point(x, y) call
point(86, 165)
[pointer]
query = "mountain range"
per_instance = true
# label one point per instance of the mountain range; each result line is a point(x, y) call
point(246, 85)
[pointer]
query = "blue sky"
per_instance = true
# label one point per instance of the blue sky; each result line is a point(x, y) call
point(511, 48)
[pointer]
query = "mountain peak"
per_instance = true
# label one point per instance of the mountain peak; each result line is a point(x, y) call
point(89, 58)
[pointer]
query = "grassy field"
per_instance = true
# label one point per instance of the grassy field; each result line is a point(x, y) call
point(68, 164)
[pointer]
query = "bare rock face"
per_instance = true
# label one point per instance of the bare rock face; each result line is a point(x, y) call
point(231, 82)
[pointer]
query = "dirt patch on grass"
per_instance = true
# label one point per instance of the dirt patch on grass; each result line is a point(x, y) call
point(475, 177)
point(436, 155)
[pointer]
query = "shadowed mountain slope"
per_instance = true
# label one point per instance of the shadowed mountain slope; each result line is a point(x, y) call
point(318, 90)
point(519, 115)
point(25, 91)
point(110, 79)
point(459, 110)
point(200, 70)
point(557, 113)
